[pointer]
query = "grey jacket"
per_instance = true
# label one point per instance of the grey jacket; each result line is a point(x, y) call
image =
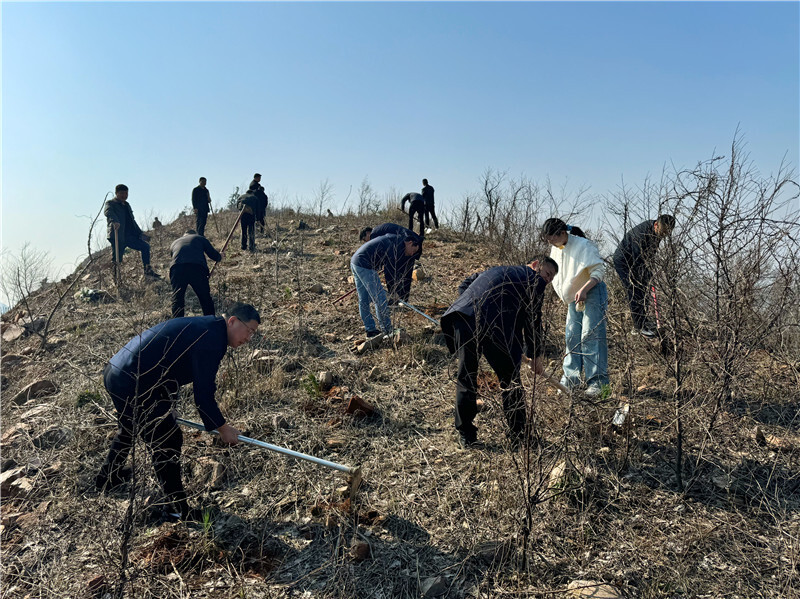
point(119, 212)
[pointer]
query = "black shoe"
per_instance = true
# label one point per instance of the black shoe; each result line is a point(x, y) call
point(105, 483)
point(469, 441)
point(371, 334)
point(149, 272)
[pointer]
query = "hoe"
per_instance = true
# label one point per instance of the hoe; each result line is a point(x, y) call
point(355, 473)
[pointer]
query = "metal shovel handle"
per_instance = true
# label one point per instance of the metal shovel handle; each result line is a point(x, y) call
point(420, 312)
point(279, 449)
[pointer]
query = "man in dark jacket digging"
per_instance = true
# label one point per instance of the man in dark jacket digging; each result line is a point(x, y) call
point(633, 261)
point(498, 313)
point(144, 378)
point(201, 202)
point(416, 206)
point(123, 231)
point(189, 267)
point(261, 205)
point(395, 255)
point(368, 233)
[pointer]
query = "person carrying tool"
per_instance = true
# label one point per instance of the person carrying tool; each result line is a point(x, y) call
point(123, 232)
point(579, 284)
point(633, 261)
point(201, 202)
point(497, 314)
point(430, 206)
point(416, 206)
point(395, 255)
point(248, 204)
point(143, 380)
point(189, 267)
point(263, 200)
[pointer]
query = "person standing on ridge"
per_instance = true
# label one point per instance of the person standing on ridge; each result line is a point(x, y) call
point(430, 206)
point(201, 202)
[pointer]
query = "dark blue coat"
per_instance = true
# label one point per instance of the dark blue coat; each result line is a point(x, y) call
point(391, 229)
point(387, 252)
point(506, 305)
point(638, 247)
point(179, 351)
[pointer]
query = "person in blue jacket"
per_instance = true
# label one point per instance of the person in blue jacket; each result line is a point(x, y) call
point(368, 233)
point(395, 255)
point(498, 314)
point(143, 380)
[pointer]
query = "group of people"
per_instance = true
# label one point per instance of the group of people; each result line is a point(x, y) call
point(498, 314)
point(422, 206)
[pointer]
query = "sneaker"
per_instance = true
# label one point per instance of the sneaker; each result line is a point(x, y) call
point(106, 484)
point(594, 391)
point(648, 331)
point(371, 334)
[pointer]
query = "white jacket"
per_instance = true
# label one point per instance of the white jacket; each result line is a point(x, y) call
point(578, 262)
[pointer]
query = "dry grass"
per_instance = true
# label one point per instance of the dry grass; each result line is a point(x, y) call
point(427, 508)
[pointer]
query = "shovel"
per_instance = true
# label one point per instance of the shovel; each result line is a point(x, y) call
point(355, 473)
point(420, 312)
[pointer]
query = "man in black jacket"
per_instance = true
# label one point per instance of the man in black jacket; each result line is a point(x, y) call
point(123, 231)
point(633, 261)
point(497, 313)
point(144, 378)
point(249, 204)
point(189, 267)
point(261, 205)
point(401, 288)
point(201, 202)
point(430, 206)
point(416, 206)
point(394, 254)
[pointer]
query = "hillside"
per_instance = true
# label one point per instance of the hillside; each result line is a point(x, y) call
point(592, 502)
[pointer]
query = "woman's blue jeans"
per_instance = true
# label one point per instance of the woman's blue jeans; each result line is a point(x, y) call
point(587, 346)
point(370, 291)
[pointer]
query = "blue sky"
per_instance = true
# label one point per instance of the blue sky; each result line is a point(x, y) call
point(156, 94)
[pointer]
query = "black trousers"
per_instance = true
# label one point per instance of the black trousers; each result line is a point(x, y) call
point(419, 211)
point(430, 213)
point(507, 369)
point(248, 231)
point(150, 416)
point(200, 223)
point(635, 279)
point(181, 276)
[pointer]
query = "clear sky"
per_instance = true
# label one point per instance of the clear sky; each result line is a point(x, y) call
point(157, 94)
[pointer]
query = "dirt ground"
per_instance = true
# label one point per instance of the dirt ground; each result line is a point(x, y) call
point(592, 501)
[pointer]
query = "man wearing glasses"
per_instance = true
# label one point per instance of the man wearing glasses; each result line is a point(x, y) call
point(144, 378)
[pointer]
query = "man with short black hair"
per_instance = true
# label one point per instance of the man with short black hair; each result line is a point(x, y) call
point(633, 261)
point(248, 203)
point(123, 232)
point(143, 380)
point(498, 314)
point(416, 206)
point(189, 267)
point(201, 202)
point(393, 254)
point(401, 286)
point(430, 205)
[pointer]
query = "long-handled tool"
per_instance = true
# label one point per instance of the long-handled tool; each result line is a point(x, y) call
point(355, 473)
point(211, 207)
point(117, 261)
point(420, 312)
point(655, 305)
point(227, 241)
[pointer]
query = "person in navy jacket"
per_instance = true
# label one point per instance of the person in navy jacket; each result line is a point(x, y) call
point(395, 255)
point(416, 206)
point(498, 314)
point(143, 380)
point(402, 286)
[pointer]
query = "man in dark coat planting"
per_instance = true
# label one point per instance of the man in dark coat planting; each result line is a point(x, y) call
point(189, 267)
point(498, 313)
point(144, 378)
